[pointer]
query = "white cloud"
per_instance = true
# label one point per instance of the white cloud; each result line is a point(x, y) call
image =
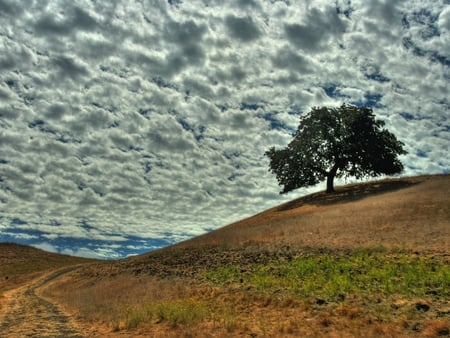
point(444, 19)
point(316, 30)
point(150, 119)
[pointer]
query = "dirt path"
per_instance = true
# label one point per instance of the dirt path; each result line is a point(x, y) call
point(29, 315)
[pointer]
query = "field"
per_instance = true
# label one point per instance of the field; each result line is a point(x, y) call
point(371, 260)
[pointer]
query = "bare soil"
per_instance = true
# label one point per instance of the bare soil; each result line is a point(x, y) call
point(27, 314)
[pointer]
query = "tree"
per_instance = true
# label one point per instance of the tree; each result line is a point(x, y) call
point(336, 142)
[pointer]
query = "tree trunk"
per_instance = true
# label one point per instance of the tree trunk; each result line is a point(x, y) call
point(330, 187)
point(330, 178)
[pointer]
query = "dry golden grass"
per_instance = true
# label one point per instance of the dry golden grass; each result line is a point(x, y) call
point(412, 213)
point(237, 282)
point(149, 306)
point(20, 263)
point(437, 328)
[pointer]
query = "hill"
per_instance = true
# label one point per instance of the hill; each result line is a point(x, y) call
point(371, 260)
point(412, 213)
point(20, 263)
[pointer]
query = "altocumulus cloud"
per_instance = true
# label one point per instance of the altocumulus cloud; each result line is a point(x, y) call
point(130, 125)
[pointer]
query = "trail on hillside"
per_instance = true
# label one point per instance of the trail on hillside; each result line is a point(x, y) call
point(29, 315)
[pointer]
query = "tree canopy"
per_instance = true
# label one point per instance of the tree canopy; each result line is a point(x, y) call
point(336, 142)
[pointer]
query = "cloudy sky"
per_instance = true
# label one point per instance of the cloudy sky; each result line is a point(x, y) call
point(132, 124)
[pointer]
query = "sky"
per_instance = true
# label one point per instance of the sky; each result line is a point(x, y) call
point(130, 125)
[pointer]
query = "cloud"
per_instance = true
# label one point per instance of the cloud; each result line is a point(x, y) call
point(386, 11)
point(319, 26)
point(243, 29)
point(292, 61)
point(15, 55)
point(148, 121)
point(444, 19)
point(63, 23)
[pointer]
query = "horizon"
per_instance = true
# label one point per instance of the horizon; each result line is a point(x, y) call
point(130, 126)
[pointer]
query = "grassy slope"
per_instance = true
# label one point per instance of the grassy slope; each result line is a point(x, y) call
point(354, 263)
point(412, 213)
point(20, 263)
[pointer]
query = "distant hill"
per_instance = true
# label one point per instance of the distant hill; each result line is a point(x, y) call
point(19, 263)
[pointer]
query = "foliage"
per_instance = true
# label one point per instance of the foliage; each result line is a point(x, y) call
point(336, 142)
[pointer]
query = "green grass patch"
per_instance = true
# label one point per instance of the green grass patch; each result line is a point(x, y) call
point(185, 312)
point(336, 275)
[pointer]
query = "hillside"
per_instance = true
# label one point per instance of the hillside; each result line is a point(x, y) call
point(20, 263)
point(371, 260)
point(411, 213)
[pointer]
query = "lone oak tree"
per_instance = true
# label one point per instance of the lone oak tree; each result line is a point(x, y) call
point(336, 142)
